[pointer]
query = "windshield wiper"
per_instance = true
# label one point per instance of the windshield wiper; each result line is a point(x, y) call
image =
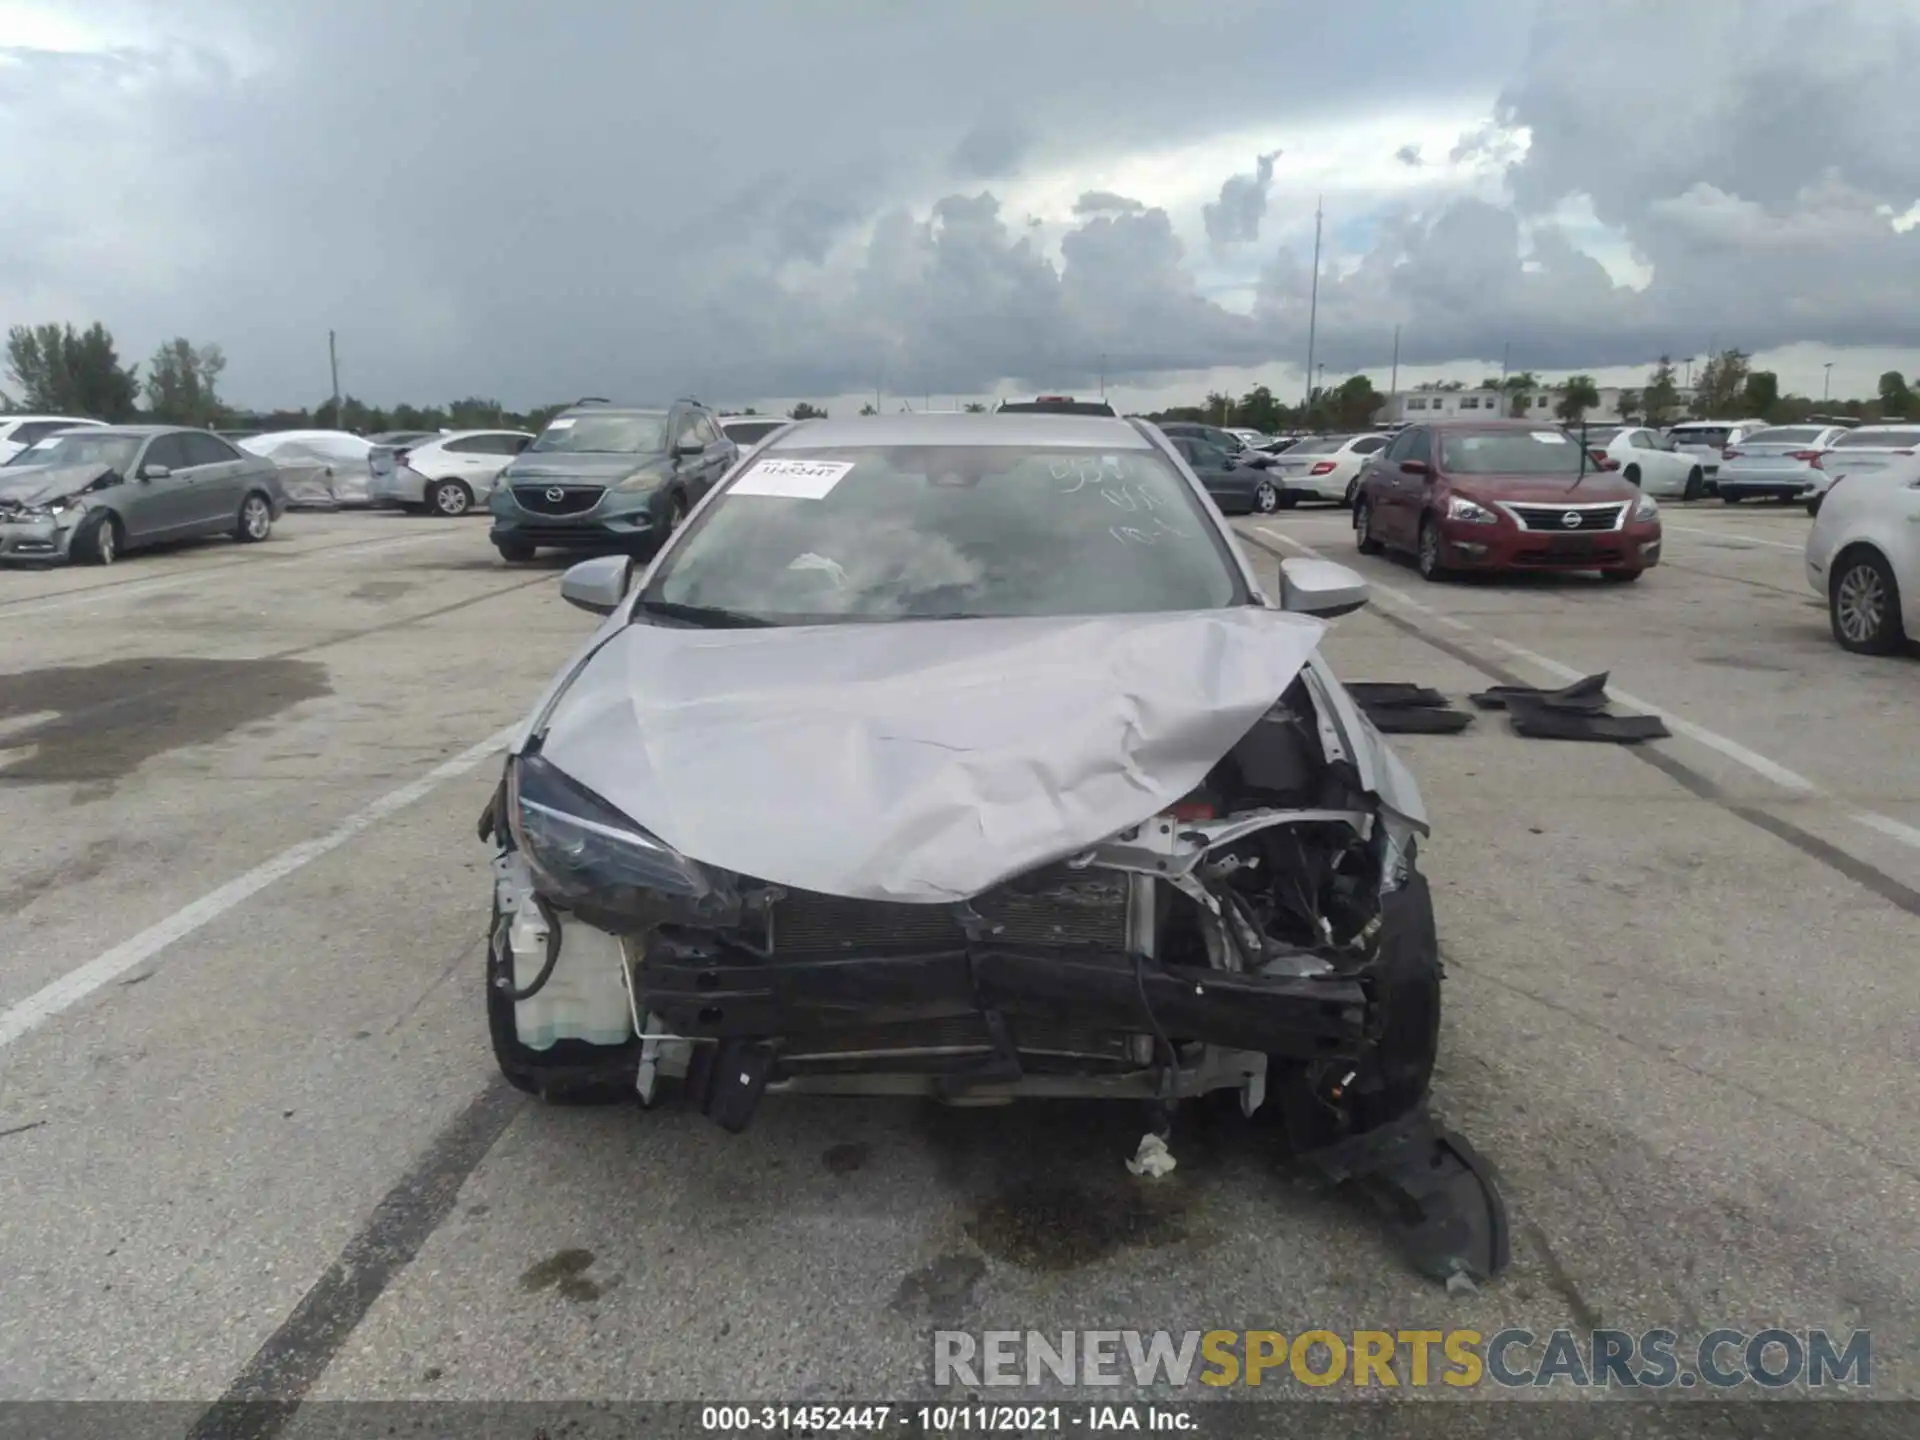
point(709, 617)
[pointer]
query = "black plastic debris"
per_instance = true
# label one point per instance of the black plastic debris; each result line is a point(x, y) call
point(1576, 712)
point(1441, 1196)
point(1587, 694)
point(1398, 708)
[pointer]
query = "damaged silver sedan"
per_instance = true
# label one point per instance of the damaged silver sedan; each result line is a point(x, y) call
point(965, 757)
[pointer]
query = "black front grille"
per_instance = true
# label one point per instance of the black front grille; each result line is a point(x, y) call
point(1084, 911)
point(1554, 517)
point(558, 499)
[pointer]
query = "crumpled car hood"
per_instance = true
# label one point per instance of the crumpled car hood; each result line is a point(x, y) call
point(916, 761)
point(40, 485)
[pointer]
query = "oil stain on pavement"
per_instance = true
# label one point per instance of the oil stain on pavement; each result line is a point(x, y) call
point(564, 1273)
point(99, 723)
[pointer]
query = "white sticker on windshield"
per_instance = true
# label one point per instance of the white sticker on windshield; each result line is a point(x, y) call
point(560, 424)
point(1550, 437)
point(793, 479)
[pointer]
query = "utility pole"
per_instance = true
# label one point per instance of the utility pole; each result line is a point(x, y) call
point(1103, 374)
point(1393, 385)
point(333, 364)
point(1826, 384)
point(1506, 349)
point(1313, 302)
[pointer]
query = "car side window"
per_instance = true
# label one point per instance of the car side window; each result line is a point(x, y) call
point(469, 445)
point(703, 430)
point(208, 450)
point(167, 450)
point(507, 444)
point(27, 432)
point(1367, 444)
point(1400, 449)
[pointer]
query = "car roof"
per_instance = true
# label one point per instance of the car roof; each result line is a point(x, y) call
point(462, 434)
point(598, 409)
point(960, 428)
point(71, 419)
point(142, 431)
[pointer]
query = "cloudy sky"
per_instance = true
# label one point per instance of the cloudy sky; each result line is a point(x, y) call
point(769, 201)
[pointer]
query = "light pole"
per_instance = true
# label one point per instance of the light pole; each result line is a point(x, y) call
point(1826, 383)
point(1313, 302)
point(1689, 364)
point(1393, 385)
point(1506, 349)
point(333, 364)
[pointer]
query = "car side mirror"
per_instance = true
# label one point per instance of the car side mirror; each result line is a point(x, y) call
point(688, 448)
point(1320, 587)
point(154, 472)
point(599, 584)
point(1415, 467)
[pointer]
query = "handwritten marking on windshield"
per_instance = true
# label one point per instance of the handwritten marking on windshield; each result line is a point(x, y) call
point(1135, 535)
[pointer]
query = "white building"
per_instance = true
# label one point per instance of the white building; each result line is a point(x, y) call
point(1417, 405)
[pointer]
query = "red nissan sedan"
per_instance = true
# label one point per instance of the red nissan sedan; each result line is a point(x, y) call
point(1503, 495)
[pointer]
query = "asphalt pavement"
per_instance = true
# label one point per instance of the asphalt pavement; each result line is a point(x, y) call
point(252, 1142)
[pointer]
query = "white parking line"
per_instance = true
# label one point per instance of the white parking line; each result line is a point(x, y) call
point(1799, 549)
point(1733, 750)
point(73, 987)
point(101, 594)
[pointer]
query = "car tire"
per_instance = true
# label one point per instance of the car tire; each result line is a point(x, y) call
point(1353, 488)
point(254, 523)
point(1363, 530)
point(1266, 499)
point(1696, 485)
point(676, 515)
point(1427, 557)
point(1863, 603)
point(450, 499)
point(1728, 498)
point(514, 552)
point(569, 1072)
point(100, 539)
point(1404, 1058)
point(1621, 577)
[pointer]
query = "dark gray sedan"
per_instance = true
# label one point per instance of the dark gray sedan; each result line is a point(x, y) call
point(1237, 487)
point(93, 494)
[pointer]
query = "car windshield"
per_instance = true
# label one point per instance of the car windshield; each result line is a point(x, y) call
point(1320, 444)
point(750, 432)
point(1702, 435)
point(893, 533)
point(620, 434)
point(1510, 452)
point(1880, 440)
point(1787, 435)
point(80, 448)
point(1603, 434)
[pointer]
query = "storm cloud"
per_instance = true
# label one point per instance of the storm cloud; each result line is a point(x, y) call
point(485, 203)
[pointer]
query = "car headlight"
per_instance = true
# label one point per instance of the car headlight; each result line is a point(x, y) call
point(1646, 509)
point(1463, 509)
point(584, 852)
point(640, 480)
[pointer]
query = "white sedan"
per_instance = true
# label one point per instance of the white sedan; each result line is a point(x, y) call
point(1863, 556)
point(1648, 459)
point(1324, 467)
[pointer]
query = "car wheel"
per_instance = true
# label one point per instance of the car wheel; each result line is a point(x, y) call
point(450, 498)
point(1402, 1062)
point(1428, 556)
point(1266, 499)
point(1620, 577)
point(1353, 487)
point(1727, 497)
point(514, 552)
point(255, 522)
point(1363, 530)
point(1696, 485)
point(568, 1072)
point(100, 540)
point(1863, 602)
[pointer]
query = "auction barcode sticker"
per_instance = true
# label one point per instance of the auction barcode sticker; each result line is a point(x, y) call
point(1549, 437)
point(793, 479)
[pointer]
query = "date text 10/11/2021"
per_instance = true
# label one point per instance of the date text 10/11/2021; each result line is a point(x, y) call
point(942, 1419)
